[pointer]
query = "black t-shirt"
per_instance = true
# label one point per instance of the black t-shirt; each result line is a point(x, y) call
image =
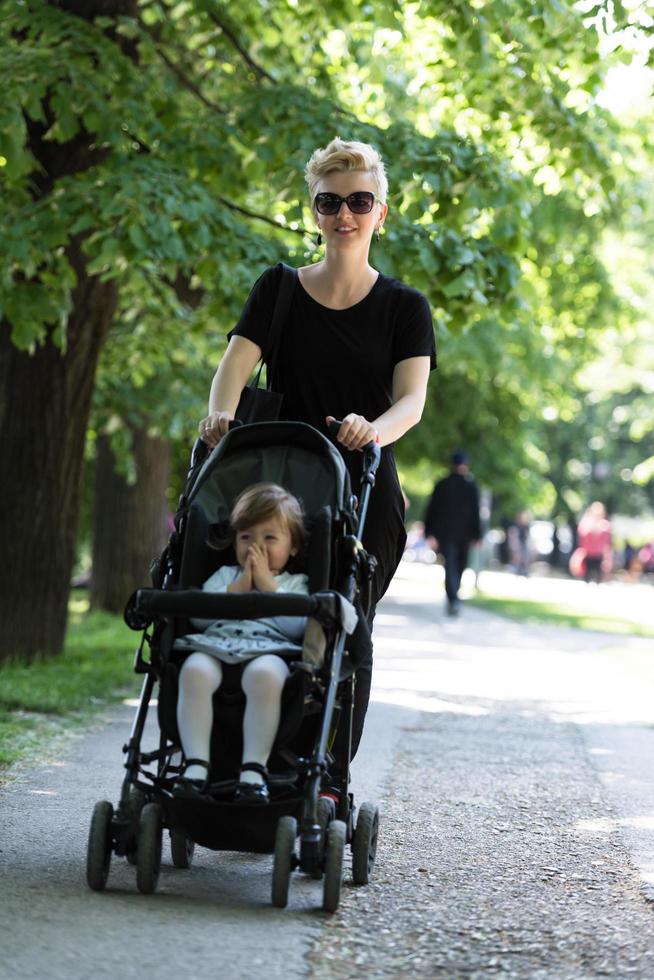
point(333, 362)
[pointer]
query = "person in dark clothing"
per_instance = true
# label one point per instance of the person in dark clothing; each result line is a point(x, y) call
point(357, 345)
point(452, 524)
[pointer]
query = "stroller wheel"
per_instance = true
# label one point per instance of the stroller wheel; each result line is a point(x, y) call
point(364, 845)
point(181, 849)
point(335, 844)
point(325, 813)
point(136, 804)
point(148, 859)
point(98, 855)
point(283, 862)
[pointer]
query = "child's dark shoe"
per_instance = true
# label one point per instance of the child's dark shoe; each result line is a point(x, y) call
point(252, 793)
point(247, 792)
point(186, 788)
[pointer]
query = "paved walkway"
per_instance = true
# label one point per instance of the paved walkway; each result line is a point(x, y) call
point(518, 821)
point(513, 769)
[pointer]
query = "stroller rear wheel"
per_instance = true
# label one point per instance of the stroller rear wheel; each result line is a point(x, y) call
point(364, 845)
point(98, 855)
point(148, 859)
point(283, 860)
point(335, 844)
point(181, 849)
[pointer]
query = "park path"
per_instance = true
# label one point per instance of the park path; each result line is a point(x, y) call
point(518, 833)
point(512, 765)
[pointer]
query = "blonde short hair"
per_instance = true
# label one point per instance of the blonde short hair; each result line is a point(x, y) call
point(341, 156)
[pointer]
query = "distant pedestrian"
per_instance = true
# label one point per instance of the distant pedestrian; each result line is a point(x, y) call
point(452, 524)
point(596, 541)
point(520, 543)
point(646, 558)
point(630, 562)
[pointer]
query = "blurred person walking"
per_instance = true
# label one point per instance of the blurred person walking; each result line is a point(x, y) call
point(452, 523)
point(520, 543)
point(595, 539)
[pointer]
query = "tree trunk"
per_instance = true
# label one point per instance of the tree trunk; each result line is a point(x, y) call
point(44, 407)
point(129, 521)
point(45, 399)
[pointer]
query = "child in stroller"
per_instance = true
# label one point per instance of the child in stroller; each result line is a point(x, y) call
point(316, 698)
point(266, 531)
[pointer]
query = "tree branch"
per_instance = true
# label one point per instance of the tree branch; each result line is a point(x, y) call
point(179, 73)
point(229, 34)
point(260, 217)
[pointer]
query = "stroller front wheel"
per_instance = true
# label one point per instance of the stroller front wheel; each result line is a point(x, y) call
point(98, 855)
point(364, 845)
point(148, 859)
point(136, 803)
point(283, 860)
point(335, 844)
point(325, 812)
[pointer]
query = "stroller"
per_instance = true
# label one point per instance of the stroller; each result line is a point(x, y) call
point(317, 697)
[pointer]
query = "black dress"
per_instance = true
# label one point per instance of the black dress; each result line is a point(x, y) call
point(333, 362)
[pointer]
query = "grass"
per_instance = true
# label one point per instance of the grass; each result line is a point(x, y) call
point(550, 613)
point(47, 698)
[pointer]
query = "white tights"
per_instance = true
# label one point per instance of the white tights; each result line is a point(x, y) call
point(262, 682)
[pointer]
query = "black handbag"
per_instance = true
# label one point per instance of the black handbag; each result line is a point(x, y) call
point(262, 404)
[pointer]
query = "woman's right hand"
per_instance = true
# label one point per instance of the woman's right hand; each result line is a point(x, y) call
point(214, 426)
point(355, 431)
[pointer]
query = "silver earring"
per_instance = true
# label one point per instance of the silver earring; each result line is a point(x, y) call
point(378, 234)
point(319, 239)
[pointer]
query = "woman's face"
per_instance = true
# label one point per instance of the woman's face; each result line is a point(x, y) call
point(345, 230)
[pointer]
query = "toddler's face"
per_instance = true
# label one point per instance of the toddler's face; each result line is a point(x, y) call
point(272, 537)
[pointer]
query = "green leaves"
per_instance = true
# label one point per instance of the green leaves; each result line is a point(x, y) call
point(171, 147)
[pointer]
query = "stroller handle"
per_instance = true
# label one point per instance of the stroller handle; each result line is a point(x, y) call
point(371, 451)
point(371, 459)
point(200, 449)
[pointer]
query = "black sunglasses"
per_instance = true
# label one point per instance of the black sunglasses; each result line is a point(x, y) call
point(361, 202)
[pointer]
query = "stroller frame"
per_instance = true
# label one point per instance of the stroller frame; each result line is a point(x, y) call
point(146, 803)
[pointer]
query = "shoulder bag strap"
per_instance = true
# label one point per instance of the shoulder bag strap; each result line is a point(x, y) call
point(282, 307)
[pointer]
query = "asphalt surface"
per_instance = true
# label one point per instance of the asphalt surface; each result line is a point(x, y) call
point(518, 820)
point(512, 766)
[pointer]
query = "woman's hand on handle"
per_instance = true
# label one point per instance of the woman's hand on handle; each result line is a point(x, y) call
point(355, 431)
point(214, 426)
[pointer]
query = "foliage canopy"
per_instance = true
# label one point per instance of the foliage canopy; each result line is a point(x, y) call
point(169, 137)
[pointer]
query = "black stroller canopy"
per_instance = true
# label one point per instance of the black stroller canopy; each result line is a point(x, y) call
point(291, 454)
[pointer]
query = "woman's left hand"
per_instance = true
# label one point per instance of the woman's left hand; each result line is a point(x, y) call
point(355, 431)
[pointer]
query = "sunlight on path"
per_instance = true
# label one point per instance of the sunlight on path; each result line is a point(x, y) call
point(620, 599)
point(472, 664)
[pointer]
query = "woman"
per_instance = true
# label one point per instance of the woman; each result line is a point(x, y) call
point(357, 346)
point(596, 541)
